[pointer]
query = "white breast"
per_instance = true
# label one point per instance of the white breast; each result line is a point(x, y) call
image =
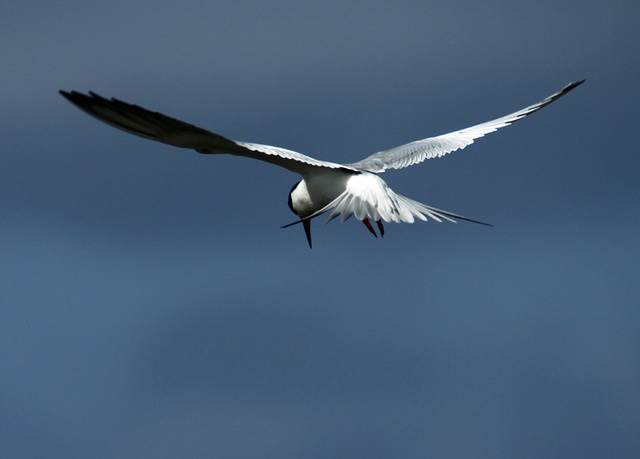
point(319, 189)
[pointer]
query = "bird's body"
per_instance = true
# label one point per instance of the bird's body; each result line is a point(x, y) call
point(343, 189)
point(318, 189)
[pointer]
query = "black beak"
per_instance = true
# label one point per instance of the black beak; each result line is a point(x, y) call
point(307, 230)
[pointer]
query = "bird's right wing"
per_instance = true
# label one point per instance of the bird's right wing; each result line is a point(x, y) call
point(156, 126)
point(433, 147)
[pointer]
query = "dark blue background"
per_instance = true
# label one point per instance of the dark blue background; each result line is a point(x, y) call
point(153, 307)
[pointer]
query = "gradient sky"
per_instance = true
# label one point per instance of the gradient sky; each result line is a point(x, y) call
point(153, 307)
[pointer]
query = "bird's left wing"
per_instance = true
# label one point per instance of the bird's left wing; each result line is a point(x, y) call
point(162, 128)
point(433, 147)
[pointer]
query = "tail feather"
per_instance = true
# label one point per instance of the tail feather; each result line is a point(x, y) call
point(402, 209)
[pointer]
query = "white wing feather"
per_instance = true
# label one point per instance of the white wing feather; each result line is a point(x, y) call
point(433, 147)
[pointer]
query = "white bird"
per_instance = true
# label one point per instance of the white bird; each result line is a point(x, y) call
point(343, 189)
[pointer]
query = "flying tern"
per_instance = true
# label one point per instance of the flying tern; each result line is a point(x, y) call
point(345, 190)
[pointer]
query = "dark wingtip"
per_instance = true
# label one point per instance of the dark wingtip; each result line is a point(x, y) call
point(77, 98)
point(66, 94)
point(574, 84)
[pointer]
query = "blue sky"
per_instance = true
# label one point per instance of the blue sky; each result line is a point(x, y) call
point(153, 307)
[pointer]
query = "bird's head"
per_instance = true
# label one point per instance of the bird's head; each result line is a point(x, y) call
point(300, 202)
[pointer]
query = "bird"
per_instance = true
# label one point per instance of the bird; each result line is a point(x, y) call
point(342, 190)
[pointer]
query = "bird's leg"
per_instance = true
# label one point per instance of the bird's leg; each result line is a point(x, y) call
point(367, 223)
point(380, 227)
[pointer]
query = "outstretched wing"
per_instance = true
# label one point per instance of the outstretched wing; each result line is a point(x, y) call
point(156, 126)
point(433, 147)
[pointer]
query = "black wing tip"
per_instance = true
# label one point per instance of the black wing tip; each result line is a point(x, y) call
point(69, 95)
point(471, 220)
point(573, 85)
point(290, 224)
point(81, 99)
point(72, 94)
point(90, 97)
point(568, 88)
point(456, 216)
